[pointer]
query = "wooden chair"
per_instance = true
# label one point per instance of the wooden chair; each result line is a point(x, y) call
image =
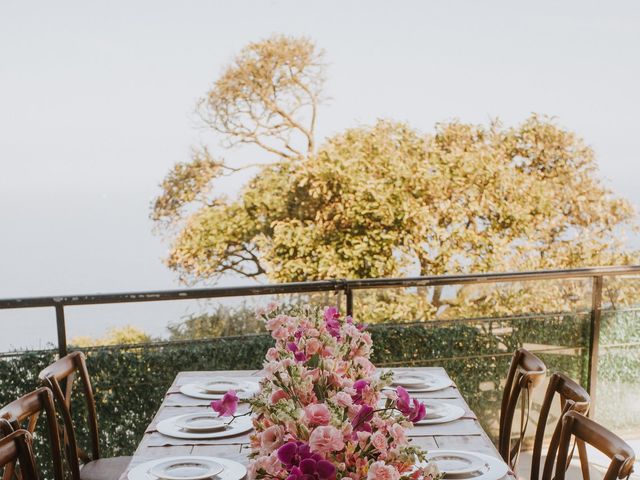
point(582, 428)
point(24, 413)
point(525, 373)
point(572, 398)
point(59, 377)
point(16, 448)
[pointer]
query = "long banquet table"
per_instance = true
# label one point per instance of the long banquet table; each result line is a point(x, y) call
point(464, 434)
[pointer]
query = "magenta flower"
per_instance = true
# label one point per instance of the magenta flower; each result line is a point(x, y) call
point(331, 321)
point(292, 453)
point(311, 469)
point(227, 405)
point(303, 464)
point(299, 355)
point(359, 387)
point(410, 408)
point(360, 422)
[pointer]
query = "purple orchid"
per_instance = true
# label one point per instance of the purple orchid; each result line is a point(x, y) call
point(410, 408)
point(298, 354)
point(311, 469)
point(331, 316)
point(360, 422)
point(359, 387)
point(227, 405)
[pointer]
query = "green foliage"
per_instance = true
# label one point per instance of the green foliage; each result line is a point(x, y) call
point(385, 199)
point(125, 335)
point(222, 322)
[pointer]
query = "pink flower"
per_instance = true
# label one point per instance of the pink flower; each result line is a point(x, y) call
point(278, 395)
point(271, 438)
point(382, 471)
point(410, 408)
point(317, 414)
point(398, 433)
point(227, 406)
point(313, 346)
point(379, 440)
point(326, 439)
point(343, 399)
point(272, 354)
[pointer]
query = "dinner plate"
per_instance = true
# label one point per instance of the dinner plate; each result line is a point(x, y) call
point(220, 385)
point(413, 379)
point(455, 463)
point(232, 470)
point(444, 412)
point(247, 389)
point(186, 469)
point(201, 422)
point(169, 428)
point(438, 382)
point(492, 468)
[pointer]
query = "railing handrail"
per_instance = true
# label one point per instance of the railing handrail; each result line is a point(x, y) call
point(314, 286)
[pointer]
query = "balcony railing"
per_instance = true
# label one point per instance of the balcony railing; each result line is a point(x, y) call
point(594, 335)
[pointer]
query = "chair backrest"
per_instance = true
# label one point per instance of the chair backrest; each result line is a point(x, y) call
point(582, 428)
point(16, 447)
point(572, 398)
point(525, 373)
point(24, 412)
point(59, 377)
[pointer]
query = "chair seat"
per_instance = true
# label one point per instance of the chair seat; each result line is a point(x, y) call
point(105, 468)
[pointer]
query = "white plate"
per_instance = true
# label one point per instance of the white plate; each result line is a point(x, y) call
point(221, 385)
point(201, 422)
point(493, 469)
point(452, 462)
point(413, 379)
point(232, 470)
point(186, 469)
point(169, 428)
point(439, 382)
point(445, 413)
point(194, 390)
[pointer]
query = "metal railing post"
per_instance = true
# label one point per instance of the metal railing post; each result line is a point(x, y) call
point(349, 294)
point(62, 330)
point(594, 340)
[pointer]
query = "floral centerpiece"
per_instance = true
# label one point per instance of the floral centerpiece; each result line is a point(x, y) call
point(323, 412)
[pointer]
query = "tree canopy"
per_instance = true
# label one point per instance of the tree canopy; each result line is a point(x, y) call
point(382, 199)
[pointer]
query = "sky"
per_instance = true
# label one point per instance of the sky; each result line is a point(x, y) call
point(97, 101)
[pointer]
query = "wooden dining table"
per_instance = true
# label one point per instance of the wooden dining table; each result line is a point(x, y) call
point(465, 434)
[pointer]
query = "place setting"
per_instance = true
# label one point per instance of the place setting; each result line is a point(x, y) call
point(214, 388)
point(461, 465)
point(438, 412)
point(421, 382)
point(199, 428)
point(188, 468)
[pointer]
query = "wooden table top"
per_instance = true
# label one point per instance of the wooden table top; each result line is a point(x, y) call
point(464, 434)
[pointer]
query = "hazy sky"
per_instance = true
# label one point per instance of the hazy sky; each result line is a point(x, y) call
point(96, 102)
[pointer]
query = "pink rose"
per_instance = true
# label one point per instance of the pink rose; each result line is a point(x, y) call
point(379, 440)
point(326, 439)
point(271, 438)
point(382, 471)
point(317, 414)
point(398, 433)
